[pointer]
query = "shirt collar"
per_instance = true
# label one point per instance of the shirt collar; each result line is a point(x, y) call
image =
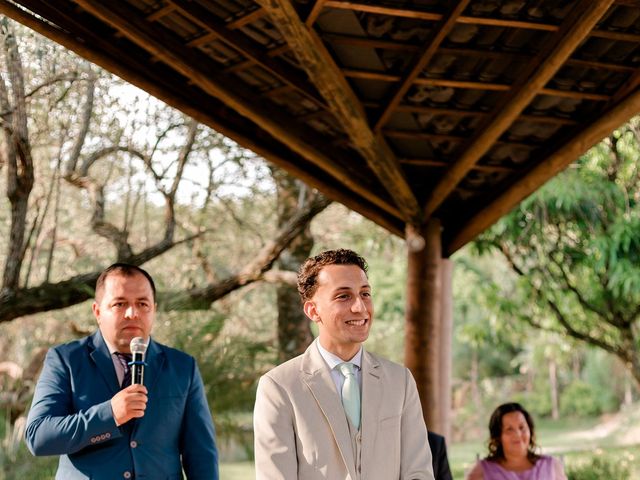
point(333, 360)
point(111, 348)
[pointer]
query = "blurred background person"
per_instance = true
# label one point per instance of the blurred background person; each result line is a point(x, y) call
point(441, 470)
point(512, 450)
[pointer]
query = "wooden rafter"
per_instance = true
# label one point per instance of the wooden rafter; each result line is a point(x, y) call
point(452, 112)
point(545, 170)
point(551, 58)
point(344, 104)
point(198, 70)
point(428, 162)
point(250, 17)
point(160, 12)
point(360, 6)
point(422, 60)
point(471, 85)
point(315, 11)
point(256, 54)
point(420, 135)
point(224, 121)
point(374, 43)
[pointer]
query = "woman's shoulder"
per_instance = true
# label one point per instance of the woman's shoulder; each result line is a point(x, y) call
point(476, 473)
point(553, 466)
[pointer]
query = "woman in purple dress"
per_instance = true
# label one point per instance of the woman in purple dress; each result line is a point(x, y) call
point(512, 450)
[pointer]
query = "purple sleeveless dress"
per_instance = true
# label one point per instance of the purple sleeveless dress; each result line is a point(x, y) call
point(542, 470)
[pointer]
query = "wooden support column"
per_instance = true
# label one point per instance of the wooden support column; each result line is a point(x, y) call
point(424, 317)
point(445, 345)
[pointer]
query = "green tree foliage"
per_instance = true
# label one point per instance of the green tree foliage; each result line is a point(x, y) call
point(574, 250)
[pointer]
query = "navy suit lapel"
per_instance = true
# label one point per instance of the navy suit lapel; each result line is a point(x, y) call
point(154, 359)
point(99, 353)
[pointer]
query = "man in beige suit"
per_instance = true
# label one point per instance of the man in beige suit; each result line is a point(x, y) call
point(306, 422)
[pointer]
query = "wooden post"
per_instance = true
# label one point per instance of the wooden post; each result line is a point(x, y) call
point(446, 338)
point(423, 317)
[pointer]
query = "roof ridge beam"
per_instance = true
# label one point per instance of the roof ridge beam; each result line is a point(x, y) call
point(549, 60)
point(344, 104)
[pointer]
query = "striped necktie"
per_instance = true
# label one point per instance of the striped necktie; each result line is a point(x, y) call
point(124, 359)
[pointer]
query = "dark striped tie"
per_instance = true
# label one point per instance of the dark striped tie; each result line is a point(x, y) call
point(124, 359)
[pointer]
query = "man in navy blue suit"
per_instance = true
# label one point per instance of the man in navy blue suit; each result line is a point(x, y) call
point(102, 430)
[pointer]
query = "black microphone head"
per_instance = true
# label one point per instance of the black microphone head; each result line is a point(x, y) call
point(138, 345)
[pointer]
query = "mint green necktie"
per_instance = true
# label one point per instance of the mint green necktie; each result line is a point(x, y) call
point(350, 393)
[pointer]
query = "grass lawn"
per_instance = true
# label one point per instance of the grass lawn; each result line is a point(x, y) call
point(237, 471)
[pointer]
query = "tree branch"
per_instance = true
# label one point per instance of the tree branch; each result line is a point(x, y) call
point(201, 298)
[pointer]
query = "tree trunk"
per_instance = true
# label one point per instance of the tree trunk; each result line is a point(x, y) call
point(474, 377)
point(553, 386)
point(294, 328)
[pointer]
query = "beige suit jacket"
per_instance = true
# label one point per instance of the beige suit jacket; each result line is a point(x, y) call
point(301, 431)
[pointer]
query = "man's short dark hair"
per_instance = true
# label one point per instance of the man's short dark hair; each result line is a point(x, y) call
point(126, 270)
point(309, 270)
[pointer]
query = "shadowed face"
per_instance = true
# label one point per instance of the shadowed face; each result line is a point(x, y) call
point(125, 309)
point(342, 308)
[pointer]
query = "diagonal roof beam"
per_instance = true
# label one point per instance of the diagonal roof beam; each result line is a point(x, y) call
point(544, 171)
point(237, 41)
point(421, 61)
point(191, 65)
point(344, 104)
point(221, 118)
point(541, 69)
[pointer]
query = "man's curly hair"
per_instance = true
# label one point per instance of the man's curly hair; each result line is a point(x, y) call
point(309, 270)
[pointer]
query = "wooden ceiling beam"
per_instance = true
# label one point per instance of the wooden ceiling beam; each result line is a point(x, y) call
point(418, 135)
point(383, 10)
point(452, 112)
point(159, 13)
point(314, 13)
point(106, 57)
point(250, 17)
point(427, 162)
point(322, 70)
point(617, 36)
point(358, 6)
point(554, 53)
point(171, 52)
point(367, 42)
point(544, 171)
point(420, 62)
point(239, 42)
point(470, 85)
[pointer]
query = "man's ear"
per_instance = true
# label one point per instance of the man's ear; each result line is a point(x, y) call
point(95, 308)
point(311, 311)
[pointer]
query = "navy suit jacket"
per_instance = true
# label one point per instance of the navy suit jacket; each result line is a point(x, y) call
point(71, 416)
point(441, 470)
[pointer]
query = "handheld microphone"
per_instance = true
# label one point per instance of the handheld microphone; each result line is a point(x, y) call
point(138, 348)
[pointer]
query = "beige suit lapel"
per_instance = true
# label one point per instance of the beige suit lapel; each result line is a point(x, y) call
point(372, 393)
point(315, 373)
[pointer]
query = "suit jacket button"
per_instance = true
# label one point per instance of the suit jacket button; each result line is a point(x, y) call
point(133, 444)
point(126, 474)
point(107, 435)
point(93, 439)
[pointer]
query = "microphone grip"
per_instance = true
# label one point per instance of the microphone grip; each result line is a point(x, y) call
point(137, 369)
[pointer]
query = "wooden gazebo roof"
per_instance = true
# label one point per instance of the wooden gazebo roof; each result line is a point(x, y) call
point(402, 110)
